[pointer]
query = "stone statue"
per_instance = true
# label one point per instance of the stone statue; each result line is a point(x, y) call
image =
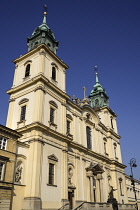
point(18, 173)
point(70, 174)
point(112, 200)
point(111, 196)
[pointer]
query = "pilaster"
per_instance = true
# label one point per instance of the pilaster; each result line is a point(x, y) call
point(10, 113)
point(42, 61)
point(39, 103)
point(64, 176)
point(32, 199)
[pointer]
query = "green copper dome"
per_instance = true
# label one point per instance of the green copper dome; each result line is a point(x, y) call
point(43, 35)
point(98, 95)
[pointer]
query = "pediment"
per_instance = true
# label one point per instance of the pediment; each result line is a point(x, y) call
point(90, 114)
point(53, 157)
point(96, 168)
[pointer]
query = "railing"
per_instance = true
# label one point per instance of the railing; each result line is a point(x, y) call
point(63, 207)
point(80, 206)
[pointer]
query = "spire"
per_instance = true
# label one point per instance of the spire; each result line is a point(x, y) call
point(45, 19)
point(98, 94)
point(97, 80)
point(96, 69)
point(45, 15)
point(43, 35)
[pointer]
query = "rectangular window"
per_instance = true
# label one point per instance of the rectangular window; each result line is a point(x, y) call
point(105, 148)
point(88, 132)
point(23, 113)
point(2, 167)
point(3, 142)
point(121, 186)
point(51, 173)
point(111, 123)
point(52, 115)
point(68, 127)
point(115, 151)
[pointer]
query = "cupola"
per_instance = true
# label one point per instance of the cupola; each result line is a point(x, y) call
point(98, 95)
point(43, 35)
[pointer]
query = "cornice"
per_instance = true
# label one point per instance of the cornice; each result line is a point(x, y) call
point(90, 152)
point(82, 148)
point(128, 177)
point(19, 143)
point(75, 106)
point(44, 128)
point(34, 80)
point(116, 163)
point(37, 49)
point(113, 133)
point(103, 126)
point(106, 107)
point(7, 130)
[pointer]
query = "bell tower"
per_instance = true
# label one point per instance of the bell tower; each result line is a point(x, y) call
point(98, 95)
point(39, 75)
point(37, 107)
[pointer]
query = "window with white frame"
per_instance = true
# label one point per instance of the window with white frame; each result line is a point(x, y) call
point(2, 170)
point(3, 142)
point(52, 160)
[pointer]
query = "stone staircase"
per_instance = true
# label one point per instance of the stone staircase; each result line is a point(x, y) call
point(103, 206)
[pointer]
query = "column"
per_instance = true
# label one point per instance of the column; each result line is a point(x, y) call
point(91, 189)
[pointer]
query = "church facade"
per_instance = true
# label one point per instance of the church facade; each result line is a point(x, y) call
point(69, 151)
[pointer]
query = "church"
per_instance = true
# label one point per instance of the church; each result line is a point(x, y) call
point(68, 151)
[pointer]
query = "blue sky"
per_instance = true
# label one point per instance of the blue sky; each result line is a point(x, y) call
point(91, 32)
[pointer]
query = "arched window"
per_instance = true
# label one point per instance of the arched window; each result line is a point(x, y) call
point(27, 71)
point(88, 132)
point(53, 73)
